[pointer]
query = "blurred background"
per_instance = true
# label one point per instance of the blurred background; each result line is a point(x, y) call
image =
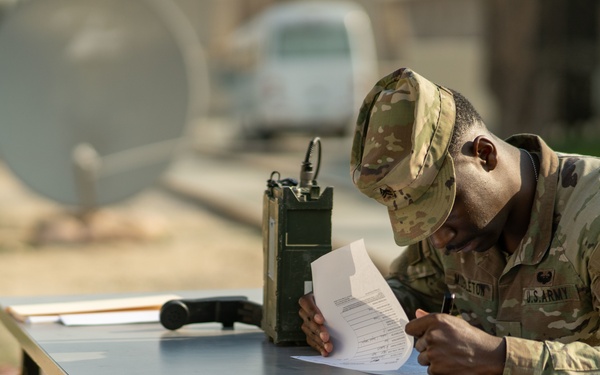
point(137, 136)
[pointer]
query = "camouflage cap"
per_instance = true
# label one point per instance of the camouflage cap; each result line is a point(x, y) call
point(400, 153)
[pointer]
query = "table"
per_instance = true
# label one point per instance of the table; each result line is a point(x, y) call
point(149, 348)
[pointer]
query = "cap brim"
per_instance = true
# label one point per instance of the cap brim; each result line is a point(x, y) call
point(423, 217)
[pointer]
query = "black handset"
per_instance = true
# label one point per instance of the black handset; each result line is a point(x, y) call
point(226, 310)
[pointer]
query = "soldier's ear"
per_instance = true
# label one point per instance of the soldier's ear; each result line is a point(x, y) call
point(485, 150)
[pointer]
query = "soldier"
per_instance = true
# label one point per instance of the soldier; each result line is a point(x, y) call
point(510, 226)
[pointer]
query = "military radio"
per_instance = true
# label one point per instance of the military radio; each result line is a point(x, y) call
point(296, 230)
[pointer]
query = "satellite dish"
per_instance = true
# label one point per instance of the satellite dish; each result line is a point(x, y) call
point(95, 95)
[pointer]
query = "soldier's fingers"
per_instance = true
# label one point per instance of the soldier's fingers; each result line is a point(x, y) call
point(421, 344)
point(314, 338)
point(307, 303)
point(306, 316)
point(423, 358)
point(318, 346)
point(311, 328)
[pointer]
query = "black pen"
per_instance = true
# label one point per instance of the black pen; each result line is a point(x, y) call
point(447, 303)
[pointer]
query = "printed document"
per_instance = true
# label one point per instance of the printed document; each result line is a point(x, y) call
point(365, 320)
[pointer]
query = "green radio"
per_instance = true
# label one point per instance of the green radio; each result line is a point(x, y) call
point(296, 229)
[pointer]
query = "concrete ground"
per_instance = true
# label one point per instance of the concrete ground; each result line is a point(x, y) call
point(152, 242)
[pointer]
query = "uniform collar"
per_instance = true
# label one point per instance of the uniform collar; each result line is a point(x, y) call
point(539, 234)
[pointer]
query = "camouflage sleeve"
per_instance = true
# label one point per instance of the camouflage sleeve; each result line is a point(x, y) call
point(417, 279)
point(524, 357)
point(552, 357)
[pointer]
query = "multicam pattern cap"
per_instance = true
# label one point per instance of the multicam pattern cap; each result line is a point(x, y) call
point(400, 153)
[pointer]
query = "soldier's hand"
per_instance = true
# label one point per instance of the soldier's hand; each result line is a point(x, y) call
point(313, 325)
point(450, 345)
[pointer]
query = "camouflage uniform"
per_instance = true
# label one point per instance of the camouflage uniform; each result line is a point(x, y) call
point(544, 298)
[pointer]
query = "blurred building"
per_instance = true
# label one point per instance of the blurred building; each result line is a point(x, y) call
point(438, 38)
point(543, 63)
point(527, 66)
point(523, 64)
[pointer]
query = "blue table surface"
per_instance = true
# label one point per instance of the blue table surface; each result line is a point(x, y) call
point(149, 348)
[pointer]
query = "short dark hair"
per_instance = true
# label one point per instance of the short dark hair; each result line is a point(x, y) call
point(467, 117)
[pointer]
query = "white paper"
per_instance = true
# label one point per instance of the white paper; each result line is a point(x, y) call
point(364, 319)
point(151, 302)
point(35, 319)
point(106, 318)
